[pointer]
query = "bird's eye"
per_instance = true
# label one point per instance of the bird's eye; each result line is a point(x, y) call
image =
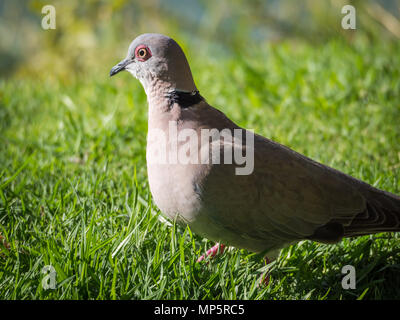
point(142, 53)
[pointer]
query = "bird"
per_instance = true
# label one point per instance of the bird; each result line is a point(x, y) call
point(286, 198)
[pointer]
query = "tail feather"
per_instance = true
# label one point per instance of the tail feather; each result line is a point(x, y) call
point(382, 214)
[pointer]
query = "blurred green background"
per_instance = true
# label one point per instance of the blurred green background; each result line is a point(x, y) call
point(73, 184)
point(91, 35)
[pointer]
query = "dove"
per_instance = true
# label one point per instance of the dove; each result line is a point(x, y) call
point(284, 197)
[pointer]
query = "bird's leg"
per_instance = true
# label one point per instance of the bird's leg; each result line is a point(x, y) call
point(217, 249)
point(265, 277)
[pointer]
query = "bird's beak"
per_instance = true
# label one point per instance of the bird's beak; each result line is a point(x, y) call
point(120, 66)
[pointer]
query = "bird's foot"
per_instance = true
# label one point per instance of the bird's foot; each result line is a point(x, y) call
point(264, 280)
point(217, 249)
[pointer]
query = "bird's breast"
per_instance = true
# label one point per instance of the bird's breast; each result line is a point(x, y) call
point(176, 189)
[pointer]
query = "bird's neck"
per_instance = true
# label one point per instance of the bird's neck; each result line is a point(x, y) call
point(162, 95)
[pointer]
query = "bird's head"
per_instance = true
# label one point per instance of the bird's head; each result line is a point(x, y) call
point(153, 59)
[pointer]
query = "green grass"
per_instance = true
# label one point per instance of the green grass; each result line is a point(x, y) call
point(74, 192)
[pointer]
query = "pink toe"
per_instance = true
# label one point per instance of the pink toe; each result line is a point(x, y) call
point(218, 248)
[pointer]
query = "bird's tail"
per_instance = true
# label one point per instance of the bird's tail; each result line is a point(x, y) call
point(382, 214)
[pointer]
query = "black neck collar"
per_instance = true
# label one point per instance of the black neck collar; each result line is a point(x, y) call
point(185, 99)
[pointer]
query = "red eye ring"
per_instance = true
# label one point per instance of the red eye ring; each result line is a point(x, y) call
point(142, 52)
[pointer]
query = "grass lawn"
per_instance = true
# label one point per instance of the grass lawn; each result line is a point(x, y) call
point(74, 191)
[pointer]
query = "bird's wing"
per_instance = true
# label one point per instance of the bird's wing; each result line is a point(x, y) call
point(288, 197)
